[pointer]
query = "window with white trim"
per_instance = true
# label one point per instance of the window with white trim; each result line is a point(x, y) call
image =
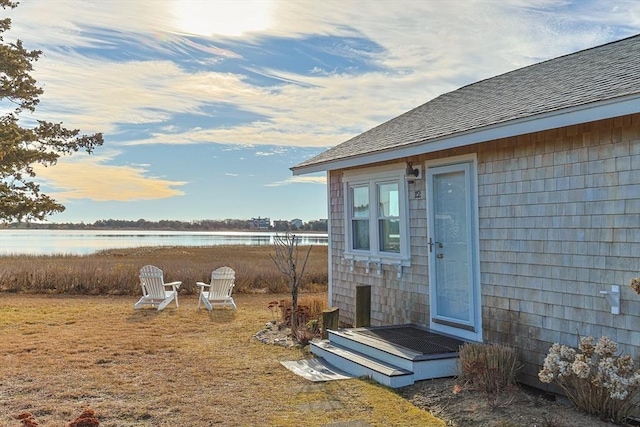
point(377, 219)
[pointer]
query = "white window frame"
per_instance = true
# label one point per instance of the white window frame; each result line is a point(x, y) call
point(371, 178)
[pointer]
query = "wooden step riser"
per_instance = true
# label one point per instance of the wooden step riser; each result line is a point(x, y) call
point(359, 370)
point(439, 368)
point(421, 369)
point(371, 351)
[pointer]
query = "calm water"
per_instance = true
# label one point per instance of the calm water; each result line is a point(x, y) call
point(82, 242)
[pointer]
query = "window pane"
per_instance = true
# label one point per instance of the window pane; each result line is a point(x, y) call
point(389, 200)
point(360, 202)
point(389, 235)
point(360, 234)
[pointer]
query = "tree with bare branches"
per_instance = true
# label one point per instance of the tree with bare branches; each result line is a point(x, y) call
point(289, 261)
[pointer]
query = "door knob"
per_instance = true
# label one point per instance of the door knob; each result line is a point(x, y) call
point(440, 256)
point(432, 244)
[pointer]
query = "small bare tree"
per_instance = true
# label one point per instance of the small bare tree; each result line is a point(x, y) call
point(287, 259)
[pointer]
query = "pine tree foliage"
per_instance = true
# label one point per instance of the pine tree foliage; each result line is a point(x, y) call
point(20, 147)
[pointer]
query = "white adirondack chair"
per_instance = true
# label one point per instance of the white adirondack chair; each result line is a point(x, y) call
point(219, 290)
point(154, 291)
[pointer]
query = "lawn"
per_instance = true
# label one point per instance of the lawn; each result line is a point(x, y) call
point(62, 354)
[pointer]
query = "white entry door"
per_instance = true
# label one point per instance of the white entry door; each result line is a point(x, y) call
point(453, 250)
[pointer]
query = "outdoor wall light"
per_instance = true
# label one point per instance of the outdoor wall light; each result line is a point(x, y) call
point(411, 172)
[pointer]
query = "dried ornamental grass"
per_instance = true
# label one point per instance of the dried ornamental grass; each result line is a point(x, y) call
point(491, 369)
point(493, 366)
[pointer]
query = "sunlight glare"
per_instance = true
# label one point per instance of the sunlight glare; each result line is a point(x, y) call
point(223, 17)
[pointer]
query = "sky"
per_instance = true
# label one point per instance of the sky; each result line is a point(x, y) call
point(205, 105)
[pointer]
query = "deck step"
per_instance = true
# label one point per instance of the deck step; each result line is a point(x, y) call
point(359, 364)
point(373, 348)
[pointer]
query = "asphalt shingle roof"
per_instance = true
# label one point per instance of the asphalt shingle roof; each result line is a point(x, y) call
point(592, 75)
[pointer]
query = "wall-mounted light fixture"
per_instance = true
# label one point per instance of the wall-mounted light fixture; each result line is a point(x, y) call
point(412, 173)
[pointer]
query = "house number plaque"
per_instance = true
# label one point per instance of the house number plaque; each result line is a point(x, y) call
point(417, 194)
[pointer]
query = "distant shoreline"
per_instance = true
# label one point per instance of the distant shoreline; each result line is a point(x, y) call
point(226, 230)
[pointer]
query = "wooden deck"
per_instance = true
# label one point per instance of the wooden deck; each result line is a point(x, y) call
point(413, 338)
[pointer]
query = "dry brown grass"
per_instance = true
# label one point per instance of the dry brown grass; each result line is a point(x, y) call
point(115, 272)
point(313, 306)
point(180, 367)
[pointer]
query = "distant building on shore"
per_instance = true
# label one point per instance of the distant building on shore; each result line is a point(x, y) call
point(280, 225)
point(260, 223)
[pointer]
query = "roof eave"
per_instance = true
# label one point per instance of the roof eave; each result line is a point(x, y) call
point(601, 110)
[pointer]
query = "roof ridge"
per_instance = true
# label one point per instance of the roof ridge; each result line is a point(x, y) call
point(535, 64)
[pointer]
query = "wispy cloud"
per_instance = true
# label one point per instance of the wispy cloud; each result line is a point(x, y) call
point(299, 180)
point(438, 47)
point(90, 178)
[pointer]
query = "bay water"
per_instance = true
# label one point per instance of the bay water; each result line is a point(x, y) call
point(84, 242)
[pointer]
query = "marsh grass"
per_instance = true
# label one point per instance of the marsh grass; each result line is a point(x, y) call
point(115, 272)
point(63, 354)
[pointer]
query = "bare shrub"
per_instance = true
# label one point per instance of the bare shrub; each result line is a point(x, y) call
point(308, 318)
point(491, 368)
point(291, 262)
point(304, 336)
